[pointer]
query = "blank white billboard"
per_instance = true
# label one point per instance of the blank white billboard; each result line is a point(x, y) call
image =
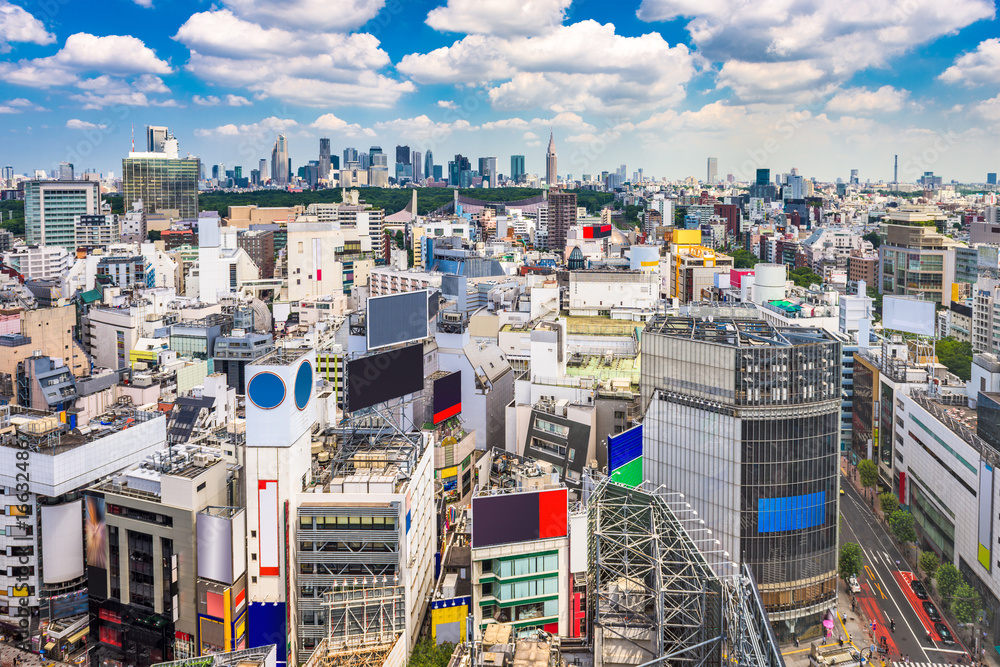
point(910, 315)
point(62, 542)
point(215, 548)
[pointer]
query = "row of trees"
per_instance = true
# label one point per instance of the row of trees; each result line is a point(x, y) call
point(956, 593)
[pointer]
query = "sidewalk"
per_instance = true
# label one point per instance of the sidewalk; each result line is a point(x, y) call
point(8, 653)
point(849, 624)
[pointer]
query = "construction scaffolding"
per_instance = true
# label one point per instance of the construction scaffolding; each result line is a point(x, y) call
point(653, 598)
point(365, 624)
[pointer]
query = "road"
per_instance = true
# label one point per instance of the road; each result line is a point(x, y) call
point(885, 592)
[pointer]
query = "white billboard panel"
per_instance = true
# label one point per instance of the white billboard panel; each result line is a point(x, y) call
point(910, 315)
point(62, 542)
point(215, 548)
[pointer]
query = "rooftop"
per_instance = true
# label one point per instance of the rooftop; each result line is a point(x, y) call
point(734, 332)
point(44, 432)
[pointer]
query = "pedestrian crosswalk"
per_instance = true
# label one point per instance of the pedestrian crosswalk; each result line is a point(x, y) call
point(923, 664)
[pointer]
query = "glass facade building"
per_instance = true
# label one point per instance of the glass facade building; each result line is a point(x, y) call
point(163, 184)
point(51, 210)
point(744, 420)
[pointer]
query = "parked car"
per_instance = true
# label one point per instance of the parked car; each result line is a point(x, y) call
point(932, 612)
point(854, 585)
point(942, 630)
point(918, 589)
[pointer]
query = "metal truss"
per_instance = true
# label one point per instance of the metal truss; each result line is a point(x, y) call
point(365, 623)
point(654, 599)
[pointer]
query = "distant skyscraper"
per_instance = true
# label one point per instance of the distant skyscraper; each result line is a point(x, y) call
point(161, 179)
point(854, 177)
point(350, 158)
point(895, 170)
point(763, 177)
point(418, 169)
point(215, 172)
point(429, 164)
point(713, 170)
point(7, 176)
point(280, 170)
point(550, 162)
point(156, 138)
point(262, 171)
point(517, 168)
point(488, 170)
point(237, 172)
point(991, 178)
point(403, 155)
point(65, 171)
point(324, 158)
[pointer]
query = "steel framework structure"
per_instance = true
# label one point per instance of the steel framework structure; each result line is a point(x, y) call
point(652, 596)
point(365, 623)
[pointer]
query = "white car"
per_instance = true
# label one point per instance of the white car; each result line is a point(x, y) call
point(855, 586)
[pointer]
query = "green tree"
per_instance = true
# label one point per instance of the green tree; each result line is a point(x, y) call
point(850, 561)
point(876, 302)
point(965, 604)
point(868, 473)
point(744, 259)
point(153, 235)
point(426, 654)
point(888, 502)
point(929, 563)
point(804, 277)
point(956, 355)
point(873, 238)
point(400, 239)
point(901, 525)
point(947, 578)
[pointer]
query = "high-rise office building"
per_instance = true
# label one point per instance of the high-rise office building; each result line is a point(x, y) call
point(237, 172)
point(262, 168)
point(550, 163)
point(403, 155)
point(517, 168)
point(378, 169)
point(7, 176)
point(429, 164)
point(418, 169)
point(744, 420)
point(456, 167)
point(763, 177)
point(324, 158)
point(51, 209)
point(350, 158)
point(280, 168)
point(991, 178)
point(156, 138)
point(163, 181)
point(65, 171)
point(713, 170)
point(561, 216)
point(488, 170)
point(854, 177)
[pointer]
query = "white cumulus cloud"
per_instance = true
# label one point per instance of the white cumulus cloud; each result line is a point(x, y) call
point(77, 124)
point(18, 25)
point(498, 17)
point(833, 39)
point(978, 67)
point(861, 100)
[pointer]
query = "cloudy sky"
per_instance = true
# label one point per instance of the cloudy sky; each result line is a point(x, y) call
point(658, 84)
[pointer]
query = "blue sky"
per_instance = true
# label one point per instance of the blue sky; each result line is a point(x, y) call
point(657, 84)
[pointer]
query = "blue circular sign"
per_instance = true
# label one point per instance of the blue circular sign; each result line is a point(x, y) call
point(303, 385)
point(266, 390)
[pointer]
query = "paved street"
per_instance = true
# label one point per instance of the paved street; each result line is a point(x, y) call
point(885, 591)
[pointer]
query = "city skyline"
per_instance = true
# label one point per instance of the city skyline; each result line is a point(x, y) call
point(810, 89)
